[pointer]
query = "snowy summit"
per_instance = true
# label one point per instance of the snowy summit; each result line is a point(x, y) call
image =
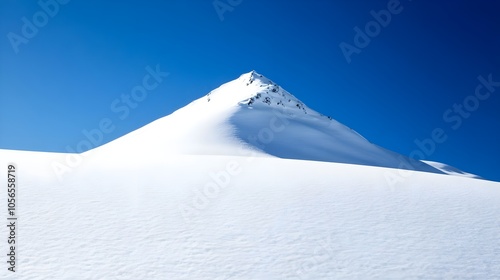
point(252, 115)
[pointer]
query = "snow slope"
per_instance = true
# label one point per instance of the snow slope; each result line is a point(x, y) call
point(229, 217)
point(242, 187)
point(254, 115)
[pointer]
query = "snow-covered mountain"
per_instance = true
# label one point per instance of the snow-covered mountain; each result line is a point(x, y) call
point(247, 183)
point(252, 115)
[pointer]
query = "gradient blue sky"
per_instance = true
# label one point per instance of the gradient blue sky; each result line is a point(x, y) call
point(396, 90)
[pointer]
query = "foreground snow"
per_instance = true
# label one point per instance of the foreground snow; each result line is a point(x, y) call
point(227, 217)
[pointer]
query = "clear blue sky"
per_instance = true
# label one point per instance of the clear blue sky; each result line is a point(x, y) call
point(396, 88)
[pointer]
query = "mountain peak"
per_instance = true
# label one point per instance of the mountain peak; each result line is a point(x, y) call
point(254, 115)
point(253, 76)
point(255, 90)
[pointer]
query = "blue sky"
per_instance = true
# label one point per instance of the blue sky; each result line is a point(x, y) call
point(398, 87)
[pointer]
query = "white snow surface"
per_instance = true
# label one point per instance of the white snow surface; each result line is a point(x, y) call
point(197, 200)
point(229, 217)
